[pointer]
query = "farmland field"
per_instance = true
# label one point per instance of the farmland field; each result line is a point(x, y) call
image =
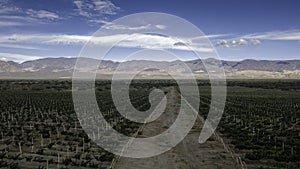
point(261, 122)
point(39, 127)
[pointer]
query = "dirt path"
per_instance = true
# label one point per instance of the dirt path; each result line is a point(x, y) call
point(188, 154)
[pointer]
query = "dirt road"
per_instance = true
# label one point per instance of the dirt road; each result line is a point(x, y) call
point(188, 154)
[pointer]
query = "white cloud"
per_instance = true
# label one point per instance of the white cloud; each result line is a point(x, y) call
point(42, 14)
point(130, 41)
point(10, 23)
point(99, 21)
point(105, 7)
point(242, 42)
point(11, 20)
point(255, 38)
point(255, 41)
point(7, 7)
point(15, 16)
point(210, 36)
point(44, 39)
point(237, 42)
point(65, 39)
point(89, 8)
point(161, 26)
point(17, 46)
point(124, 27)
point(18, 18)
point(18, 57)
point(3, 58)
point(81, 9)
point(276, 35)
point(134, 41)
point(6, 10)
point(113, 26)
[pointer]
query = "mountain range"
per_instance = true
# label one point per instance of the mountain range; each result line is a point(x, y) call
point(63, 68)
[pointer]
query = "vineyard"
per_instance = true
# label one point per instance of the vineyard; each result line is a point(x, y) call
point(261, 123)
point(39, 127)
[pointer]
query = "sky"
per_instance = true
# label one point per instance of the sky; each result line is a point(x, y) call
point(256, 29)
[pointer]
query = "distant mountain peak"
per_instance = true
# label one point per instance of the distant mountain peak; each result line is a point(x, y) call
point(66, 66)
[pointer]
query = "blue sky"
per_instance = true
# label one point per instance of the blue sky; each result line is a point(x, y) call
point(257, 29)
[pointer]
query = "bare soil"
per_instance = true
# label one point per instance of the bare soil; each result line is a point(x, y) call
point(188, 154)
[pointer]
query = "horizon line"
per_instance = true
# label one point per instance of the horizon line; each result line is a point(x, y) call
point(122, 61)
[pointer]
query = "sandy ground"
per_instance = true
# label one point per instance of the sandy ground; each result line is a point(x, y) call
point(188, 154)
